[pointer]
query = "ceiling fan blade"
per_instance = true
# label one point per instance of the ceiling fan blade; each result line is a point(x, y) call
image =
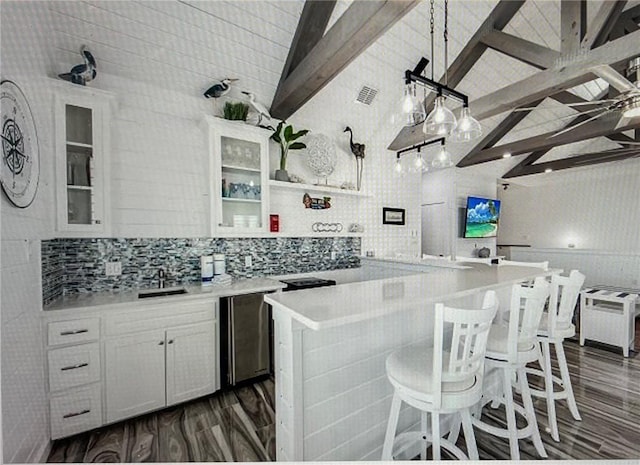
point(614, 78)
point(570, 128)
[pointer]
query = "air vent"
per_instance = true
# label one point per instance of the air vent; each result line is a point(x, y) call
point(366, 95)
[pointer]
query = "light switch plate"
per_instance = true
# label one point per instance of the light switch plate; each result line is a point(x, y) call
point(247, 261)
point(113, 268)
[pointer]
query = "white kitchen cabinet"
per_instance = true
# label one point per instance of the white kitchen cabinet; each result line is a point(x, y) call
point(164, 361)
point(239, 180)
point(82, 140)
point(74, 375)
point(190, 370)
point(135, 374)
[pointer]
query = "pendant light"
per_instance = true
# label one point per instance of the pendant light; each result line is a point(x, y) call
point(441, 121)
point(468, 127)
point(412, 108)
point(443, 157)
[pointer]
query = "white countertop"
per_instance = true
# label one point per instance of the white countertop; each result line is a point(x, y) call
point(120, 299)
point(327, 307)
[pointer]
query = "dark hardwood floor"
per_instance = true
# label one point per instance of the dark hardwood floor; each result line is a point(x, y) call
point(239, 425)
point(232, 426)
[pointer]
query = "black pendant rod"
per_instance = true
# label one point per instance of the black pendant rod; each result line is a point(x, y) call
point(415, 75)
point(441, 140)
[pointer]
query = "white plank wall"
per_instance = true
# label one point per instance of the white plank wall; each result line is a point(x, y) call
point(599, 266)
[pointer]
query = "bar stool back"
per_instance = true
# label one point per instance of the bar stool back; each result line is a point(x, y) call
point(555, 327)
point(440, 377)
point(509, 349)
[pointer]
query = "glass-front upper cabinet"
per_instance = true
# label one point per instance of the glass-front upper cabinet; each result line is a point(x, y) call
point(239, 176)
point(82, 117)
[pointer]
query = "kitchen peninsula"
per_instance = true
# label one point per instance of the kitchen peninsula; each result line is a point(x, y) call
point(333, 397)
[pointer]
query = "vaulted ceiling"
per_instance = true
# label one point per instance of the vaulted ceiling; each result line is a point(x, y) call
point(501, 54)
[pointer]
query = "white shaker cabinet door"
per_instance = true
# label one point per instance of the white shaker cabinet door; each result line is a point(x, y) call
point(191, 361)
point(135, 369)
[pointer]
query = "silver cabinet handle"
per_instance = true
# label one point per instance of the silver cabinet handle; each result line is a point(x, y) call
point(75, 331)
point(161, 343)
point(76, 414)
point(73, 367)
point(170, 341)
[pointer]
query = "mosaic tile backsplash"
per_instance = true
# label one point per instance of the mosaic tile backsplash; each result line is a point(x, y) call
point(71, 266)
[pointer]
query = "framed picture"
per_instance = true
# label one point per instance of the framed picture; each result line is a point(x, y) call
point(393, 216)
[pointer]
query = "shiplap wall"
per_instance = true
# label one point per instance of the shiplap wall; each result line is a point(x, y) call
point(25, 431)
point(594, 208)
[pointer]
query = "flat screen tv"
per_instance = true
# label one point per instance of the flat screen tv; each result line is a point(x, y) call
point(481, 219)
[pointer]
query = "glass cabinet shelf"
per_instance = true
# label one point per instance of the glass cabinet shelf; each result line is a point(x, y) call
point(239, 164)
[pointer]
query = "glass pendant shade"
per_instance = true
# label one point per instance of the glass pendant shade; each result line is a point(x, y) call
point(441, 121)
point(398, 167)
point(468, 128)
point(412, 107)
point(442, 159)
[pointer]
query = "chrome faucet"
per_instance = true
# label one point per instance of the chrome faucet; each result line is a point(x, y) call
point(161, 277)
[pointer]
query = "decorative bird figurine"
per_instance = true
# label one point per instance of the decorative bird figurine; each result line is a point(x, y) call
point(356, 149)
point(81, 74)
point(219, 89)
point(259, 108)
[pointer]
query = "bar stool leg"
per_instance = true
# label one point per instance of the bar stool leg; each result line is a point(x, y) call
point(548, 387)
point(566, 381)
point(531, 414)
point(511, 415)
point(424, 428)
point(469, 436)
point(387, 449)
point(435, 435)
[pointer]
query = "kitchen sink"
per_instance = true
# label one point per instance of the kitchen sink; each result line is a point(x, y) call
point(161, 292)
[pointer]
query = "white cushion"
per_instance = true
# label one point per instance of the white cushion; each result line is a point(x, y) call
point(564, 331)
point(412, 366)
point(498, 338)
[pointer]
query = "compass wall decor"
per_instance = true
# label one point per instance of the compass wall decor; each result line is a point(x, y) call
point(20, 152)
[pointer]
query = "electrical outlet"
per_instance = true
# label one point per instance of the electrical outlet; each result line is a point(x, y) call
point(113, 268)
point(247, 261)
point(334, 255)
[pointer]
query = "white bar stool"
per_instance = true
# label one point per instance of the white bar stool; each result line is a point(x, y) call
point(438, 381)
point(509, 349)
point(555, 327)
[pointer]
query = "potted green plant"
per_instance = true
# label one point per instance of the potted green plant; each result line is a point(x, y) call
point(235, 111)
point(286, 137)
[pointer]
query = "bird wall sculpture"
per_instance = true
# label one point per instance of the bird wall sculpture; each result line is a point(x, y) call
point(358, 151)
point(356, 148)
point(219, 89)
point(259, 108)
point(81, 74)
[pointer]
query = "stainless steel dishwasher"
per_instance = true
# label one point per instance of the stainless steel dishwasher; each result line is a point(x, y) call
point(246, 338)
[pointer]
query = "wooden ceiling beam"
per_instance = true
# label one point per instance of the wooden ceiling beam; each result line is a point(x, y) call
point(311, 27)
point(358, 27)
point(573, 162)
point(597, 128)
point(572, 24)
point(565, 75)
point(602, 24)
point(529, 52)
point(466, 59)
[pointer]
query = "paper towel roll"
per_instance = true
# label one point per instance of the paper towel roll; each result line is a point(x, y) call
point(206, 269)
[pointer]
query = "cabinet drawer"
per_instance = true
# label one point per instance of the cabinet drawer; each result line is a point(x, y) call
point(74, 366)
point(73, 331)
point(76, 411)
point(159, 317)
